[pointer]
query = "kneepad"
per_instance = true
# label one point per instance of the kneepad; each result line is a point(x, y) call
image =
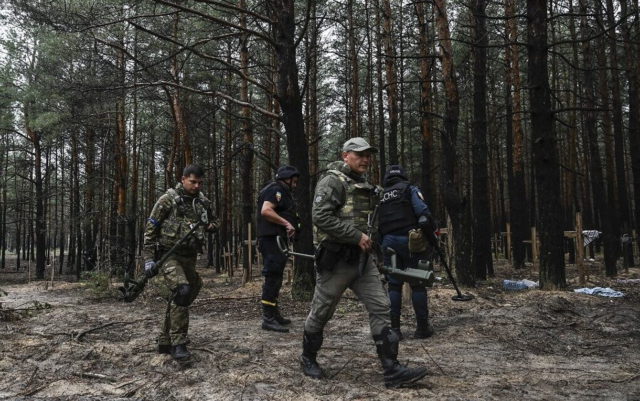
point(395, 287)
point(183, 295)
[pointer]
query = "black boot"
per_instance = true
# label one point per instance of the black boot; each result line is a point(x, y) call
point(395, 375)
point(395, 326)
point(180, 352)
point(269, 321)
point(164, 349)
point(424, 328)
point(311, 343)
point(281, 319)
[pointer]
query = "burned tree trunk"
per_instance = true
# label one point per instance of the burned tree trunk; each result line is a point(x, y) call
point(481, 259)
point(290, 100)
point(545, 153)
point(454, 199)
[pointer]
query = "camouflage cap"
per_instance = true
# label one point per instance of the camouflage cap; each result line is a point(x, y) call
point(357, 144)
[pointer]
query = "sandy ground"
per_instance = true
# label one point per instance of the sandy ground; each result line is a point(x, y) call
point(70, 342)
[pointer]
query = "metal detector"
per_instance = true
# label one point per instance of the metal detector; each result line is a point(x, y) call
point(460, 296)
point(133, 288)
point(283, 245)
point(412, 276)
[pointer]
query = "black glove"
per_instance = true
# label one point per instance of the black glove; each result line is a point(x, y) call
point(429, 229)
point(150, 269)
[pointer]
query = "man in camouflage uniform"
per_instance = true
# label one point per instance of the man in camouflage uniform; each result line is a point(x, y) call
point(171, 219)
point(342, 204)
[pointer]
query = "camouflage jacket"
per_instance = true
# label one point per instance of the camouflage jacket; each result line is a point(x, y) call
point(342, 202)
point(171, 219)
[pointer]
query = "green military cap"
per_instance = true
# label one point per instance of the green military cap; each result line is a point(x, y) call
point(358, 144)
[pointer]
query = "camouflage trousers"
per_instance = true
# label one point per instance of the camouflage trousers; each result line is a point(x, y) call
point(178, 270)
point(368, 287)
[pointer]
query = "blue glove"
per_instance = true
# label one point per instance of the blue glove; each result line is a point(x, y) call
point(150, 269)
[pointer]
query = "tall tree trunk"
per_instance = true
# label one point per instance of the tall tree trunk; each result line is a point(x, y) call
point(371, 115)
point(379, 92)
point(75, 253)
point(312, 90)
point(517, 194)
point(89, 225)
point(40, 223)
point(228, 203)
point(455, 202)
point(545, 153)
point(288, 95)
point(392, 80)
point(595, 166)
point(609, 180)
point(426, 66)
point(120, 249)
point(354, 81)
point(632, 54)
point(481, 258)
point(618, 135)
point(247, 138)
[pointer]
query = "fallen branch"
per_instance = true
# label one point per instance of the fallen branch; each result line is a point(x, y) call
point(78, 336)
point(432, 360)
point(341, 369)
point(203, 349)
point(90, 375)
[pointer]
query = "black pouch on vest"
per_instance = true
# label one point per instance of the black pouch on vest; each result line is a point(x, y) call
point(352, 254)
point(328, 254)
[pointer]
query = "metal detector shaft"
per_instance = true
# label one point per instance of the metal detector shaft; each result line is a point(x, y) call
point(460, 297)
point(284, 248)
point(133, 288)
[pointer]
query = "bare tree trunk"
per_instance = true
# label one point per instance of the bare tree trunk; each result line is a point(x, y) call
point(120, 248)
point(454, 200)
point(369, 89)
point(632, 54)
point(618, 135)
point(75, 253)
point(40, 223)
point(426, 65)
point(288, 95)
point(89, 226)
point(597, 180)
point(517, 193)
point(545, 153)
point(392, 80)
point(247, 139)
point(228, 204)
point(481, 258)
point(380, 85)
point(312, 90)
point(354, 82)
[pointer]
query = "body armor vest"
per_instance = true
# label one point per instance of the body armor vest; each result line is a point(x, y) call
point(360, 201)
point(396, 211)
point(185, 212)
point(286, 208)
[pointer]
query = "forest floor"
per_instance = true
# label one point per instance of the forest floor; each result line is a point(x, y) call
point(73, 342)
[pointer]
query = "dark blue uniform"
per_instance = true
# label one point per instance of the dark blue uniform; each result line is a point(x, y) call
point(279, 194)
point(400, 207)
point(274, 261)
